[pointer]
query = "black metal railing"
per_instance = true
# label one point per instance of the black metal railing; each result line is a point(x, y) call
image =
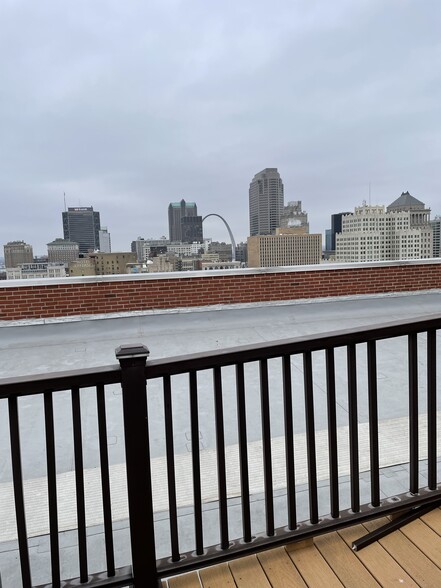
point(274, 383)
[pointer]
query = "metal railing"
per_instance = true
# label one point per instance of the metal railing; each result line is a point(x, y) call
point(263, 380)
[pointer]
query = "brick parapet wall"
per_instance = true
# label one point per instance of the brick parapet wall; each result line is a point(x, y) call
point(30, 299)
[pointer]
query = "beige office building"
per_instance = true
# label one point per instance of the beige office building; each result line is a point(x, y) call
point(289, 246)
point(373, 233)
point(103, 264)
point(16, 253)
point(113, 263)
point(62, 250)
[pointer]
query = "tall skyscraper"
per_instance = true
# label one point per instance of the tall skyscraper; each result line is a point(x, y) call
point(266, 202)
point(176, 212)
point(336, 224)
point(82, 225)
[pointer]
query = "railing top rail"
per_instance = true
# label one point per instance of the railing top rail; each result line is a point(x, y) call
point(272, 349)
point(56, 381)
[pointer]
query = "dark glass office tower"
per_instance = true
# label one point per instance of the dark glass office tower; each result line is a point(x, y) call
point(176, 212)
point(82, 225)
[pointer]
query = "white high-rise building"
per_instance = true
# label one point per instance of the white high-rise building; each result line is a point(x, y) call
point(373, 233)
point(104, 240)
point(266, 202)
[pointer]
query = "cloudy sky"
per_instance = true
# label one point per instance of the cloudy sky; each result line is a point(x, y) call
point(128, 105)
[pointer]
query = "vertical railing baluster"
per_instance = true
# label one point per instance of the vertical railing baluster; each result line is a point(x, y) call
point(332, 433)
point(139, 477)
point(17, 478)
point(373, 422)
point(52, 488)
point(243, 452)
point(220, 450)
point(105, 479)
point(266, 442)
point(310, 437)
point(196, 462)
point(289, 442)
point(413, 412)
point(431, 408)
point(171, 476)
point(79, 484)
point(353, 428)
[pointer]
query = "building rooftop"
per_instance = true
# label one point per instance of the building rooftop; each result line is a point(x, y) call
point(38, 347)
point(406, 200)
point(69, 342)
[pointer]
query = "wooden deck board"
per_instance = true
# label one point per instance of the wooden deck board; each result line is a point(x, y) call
point(378, 561)
point(425, 538)
point(433, 519)
point(425, 573)
point(280, 569)
point(345, 563)
point(190, 580)
point(313, 567)
point(247, 572)
point(217, 577)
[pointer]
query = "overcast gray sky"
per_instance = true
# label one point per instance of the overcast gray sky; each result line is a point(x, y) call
point(129, 105)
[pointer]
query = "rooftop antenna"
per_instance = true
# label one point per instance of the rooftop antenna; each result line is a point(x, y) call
point(369, 193)
point(64, 194)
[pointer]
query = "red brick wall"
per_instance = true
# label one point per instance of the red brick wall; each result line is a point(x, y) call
point(96, 296)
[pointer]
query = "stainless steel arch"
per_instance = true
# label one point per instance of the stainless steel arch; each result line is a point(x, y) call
point(233, 242)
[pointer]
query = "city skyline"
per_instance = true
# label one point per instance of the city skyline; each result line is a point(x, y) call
point(131, 122)
point(40, 243)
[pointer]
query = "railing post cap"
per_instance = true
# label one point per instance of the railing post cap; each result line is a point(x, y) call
point(131, 351)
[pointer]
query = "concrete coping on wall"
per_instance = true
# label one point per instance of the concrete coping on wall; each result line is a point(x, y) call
point(212, 273)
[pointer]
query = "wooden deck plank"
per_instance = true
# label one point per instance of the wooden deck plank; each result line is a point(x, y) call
point(280, 569)
point(433, 519)
point(217, 577)
point(378, 561)
point(247, 572)
point(423, 571)
point(425, 538)
point(346, 565)
point(190, 580)
point(313, 567)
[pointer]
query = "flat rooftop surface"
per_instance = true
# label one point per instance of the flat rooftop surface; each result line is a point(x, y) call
point(78, 342)
point(58, 345)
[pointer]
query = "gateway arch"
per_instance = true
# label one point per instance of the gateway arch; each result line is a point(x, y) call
point(233, 242)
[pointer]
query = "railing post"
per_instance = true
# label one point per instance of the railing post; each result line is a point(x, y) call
point(132, 359)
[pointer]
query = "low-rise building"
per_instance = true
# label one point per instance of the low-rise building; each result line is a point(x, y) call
point(112, 263)
point(84, 266)
point(34, 270)
point(220, 265)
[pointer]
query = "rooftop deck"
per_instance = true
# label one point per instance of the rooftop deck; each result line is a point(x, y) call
point(407, 557)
